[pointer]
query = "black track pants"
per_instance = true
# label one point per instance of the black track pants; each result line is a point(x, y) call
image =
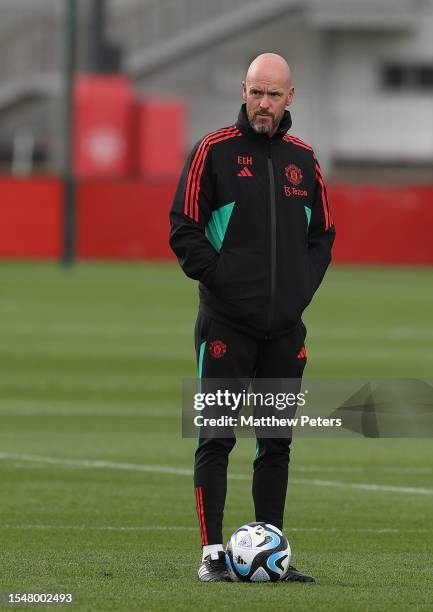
point(223, 352)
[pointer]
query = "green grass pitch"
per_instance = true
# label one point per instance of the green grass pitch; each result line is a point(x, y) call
point(96, 493)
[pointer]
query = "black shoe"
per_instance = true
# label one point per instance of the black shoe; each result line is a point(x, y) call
point(214, 570)
point(293, 575)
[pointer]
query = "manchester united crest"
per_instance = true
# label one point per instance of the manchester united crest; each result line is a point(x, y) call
point(293, 174)
point(217, 348)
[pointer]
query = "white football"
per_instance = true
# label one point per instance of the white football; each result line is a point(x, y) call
point(258, 552)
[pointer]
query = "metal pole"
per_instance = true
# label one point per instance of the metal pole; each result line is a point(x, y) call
point(97, 35)
point(68, 172)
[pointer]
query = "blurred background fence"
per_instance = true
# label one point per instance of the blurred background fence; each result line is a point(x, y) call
point(153, 76)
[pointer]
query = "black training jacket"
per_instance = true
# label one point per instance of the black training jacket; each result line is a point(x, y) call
point(251, 221)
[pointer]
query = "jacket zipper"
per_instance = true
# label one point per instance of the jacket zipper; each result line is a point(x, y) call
point(273, 245)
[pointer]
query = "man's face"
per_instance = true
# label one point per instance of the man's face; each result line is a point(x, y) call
point(266, 101)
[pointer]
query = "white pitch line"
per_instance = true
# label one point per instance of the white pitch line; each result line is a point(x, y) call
point(361, 468)
point(103, 527)
point(152, 468)
point(191, 528)
point(162, 469)
point(91, 463)
point(363, 486)
point(131, 331)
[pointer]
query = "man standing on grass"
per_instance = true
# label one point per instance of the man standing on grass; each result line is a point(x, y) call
point(251, 221)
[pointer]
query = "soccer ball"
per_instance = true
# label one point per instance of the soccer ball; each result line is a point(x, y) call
point(258, 552)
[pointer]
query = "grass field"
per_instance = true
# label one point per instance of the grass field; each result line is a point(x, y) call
point(96, 490)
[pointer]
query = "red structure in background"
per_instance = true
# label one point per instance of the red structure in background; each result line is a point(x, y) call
point(123, 220)
point(103, 119)
point(31, 218)
point(381, 224)
point(128, 219)
point(128, 155)
point(158, 139)
point(117, 135)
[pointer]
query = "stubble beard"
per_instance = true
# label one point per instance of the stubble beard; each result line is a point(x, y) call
point(263, 128)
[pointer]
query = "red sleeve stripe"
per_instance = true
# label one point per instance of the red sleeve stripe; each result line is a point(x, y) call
point(197, 183)
point(297, 142)
point(193, 166)
point(319, 177)
point(318, 169)
point(194, 169)
point(302, 142)
point(200, 514)
point(324, 201)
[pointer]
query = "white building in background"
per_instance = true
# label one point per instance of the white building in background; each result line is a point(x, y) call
point(363, 70)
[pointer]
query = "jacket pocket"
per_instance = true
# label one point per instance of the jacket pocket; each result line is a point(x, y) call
point(210, 277)
point(312, 284)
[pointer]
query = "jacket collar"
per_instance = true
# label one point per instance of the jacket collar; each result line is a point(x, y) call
point(244, 125)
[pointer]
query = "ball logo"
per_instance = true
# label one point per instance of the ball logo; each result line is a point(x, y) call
point(217, 348)
point(293, 174)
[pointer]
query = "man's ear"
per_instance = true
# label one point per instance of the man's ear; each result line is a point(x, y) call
point(290, 95)
point(244, 91)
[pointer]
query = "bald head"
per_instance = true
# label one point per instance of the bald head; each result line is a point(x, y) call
point(269, 67)
point(267, 90)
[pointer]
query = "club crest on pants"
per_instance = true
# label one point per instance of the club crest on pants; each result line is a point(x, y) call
point(217, 348)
